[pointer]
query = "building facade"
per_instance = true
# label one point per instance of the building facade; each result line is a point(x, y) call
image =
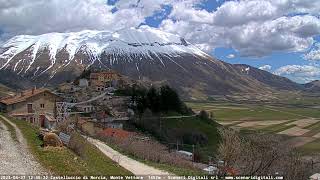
point(104, 79)
point(36, 106)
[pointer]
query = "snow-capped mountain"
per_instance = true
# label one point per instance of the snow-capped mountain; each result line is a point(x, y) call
point(130, 42)
point(145, 54)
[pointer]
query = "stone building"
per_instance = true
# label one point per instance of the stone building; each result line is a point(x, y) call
point(37, 106)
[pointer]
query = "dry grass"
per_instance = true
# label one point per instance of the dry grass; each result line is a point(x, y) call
point(294, 131)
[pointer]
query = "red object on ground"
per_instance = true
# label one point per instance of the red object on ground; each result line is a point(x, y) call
point(117, 133)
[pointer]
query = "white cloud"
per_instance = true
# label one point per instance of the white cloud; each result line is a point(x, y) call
point(43, 16)
point(145, 7)
point(235, 13)
point(314, 54)
point(299, 73)
point(252, 27)
point(230, 56)
point(266, 67)
point(183, 11)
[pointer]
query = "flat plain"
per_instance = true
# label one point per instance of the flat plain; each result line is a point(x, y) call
point(298, 119)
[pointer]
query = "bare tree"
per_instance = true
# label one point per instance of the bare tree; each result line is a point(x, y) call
point(230, 148)
point(261, 154)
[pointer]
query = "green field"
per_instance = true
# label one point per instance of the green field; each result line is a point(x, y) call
point(310, 148)
point(63, 161)
point(307, 112)
point(229, 111)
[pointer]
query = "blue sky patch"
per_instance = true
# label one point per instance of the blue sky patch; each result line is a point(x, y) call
point(156, 19)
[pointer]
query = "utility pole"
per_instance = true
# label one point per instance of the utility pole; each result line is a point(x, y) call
point(193, 153)
point(160, 124)
point(177, 145)
point(210, 160)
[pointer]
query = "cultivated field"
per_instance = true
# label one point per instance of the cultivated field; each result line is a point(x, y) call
point(301, 124)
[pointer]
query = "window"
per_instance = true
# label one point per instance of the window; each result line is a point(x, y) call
point(42, 106)
point(29, 107)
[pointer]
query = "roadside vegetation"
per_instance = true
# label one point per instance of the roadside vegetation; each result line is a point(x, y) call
point(11, 129)
point(63, 161)
point(96, 161)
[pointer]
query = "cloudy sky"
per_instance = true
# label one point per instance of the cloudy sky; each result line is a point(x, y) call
point(279, 36)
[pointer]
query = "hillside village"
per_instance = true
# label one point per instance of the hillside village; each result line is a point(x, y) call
point(91, 99)
point(93, 105)
point(140, 120)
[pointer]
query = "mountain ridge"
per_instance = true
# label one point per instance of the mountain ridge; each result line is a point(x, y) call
point(142, 54)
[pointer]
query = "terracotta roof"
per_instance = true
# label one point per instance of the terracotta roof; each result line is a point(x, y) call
point(23, 96)
point(118, 133)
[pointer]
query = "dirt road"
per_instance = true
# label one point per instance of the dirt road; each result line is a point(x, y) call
point(131, 165)
point(15, 158)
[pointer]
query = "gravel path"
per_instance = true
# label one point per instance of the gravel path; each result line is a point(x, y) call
point(137, 168)
point(15, 158)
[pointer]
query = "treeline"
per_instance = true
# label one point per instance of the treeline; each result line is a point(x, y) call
point(161, 100)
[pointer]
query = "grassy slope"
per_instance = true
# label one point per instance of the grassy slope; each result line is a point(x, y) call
point(96, 160)
point(63, 161)
point(194, 123)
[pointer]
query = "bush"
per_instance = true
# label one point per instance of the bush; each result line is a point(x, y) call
point(204, 116)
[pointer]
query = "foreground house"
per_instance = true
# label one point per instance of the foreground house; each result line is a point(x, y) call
point(37, 106)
